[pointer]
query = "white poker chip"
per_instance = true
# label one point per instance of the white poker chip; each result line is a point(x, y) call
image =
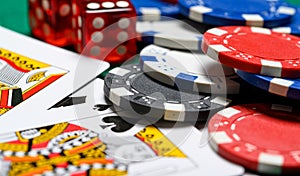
point(188, 71)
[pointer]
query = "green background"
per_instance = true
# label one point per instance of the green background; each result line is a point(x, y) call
point(14, 15)
point(294, 2)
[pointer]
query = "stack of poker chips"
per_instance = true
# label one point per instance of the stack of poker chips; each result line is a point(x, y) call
point(270, 61)
point(192, 63)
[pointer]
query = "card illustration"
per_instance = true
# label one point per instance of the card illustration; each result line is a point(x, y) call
point(66, 148)
point(21, 77)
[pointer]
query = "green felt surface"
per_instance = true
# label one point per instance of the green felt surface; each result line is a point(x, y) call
point(14, 16)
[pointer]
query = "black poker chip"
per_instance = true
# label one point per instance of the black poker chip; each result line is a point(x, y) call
point(130, 89)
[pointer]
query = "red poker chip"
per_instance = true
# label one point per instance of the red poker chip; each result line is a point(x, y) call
point(255, 50)
point(263, 138)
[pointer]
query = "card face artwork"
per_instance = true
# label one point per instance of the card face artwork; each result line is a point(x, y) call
point(21, 77)
point(34, 76)
point(58, 149)
point(109, 143)
point(67, 148)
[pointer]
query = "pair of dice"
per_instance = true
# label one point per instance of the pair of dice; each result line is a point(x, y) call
point(103, 29)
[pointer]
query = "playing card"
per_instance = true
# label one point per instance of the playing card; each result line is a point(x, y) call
point(86, 102)
point(67, 148)
point(55, 149)
point(34, 76)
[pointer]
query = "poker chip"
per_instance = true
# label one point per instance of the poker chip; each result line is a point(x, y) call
point(260, 13)
point(291, 28)
point(153, 10)
point(170, 33)
point(188, 71)
point(260, 137)
point(255, 50)
point(284, 87)
point(129, 88)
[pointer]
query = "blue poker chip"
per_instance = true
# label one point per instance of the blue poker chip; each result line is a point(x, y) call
point(293, 27)
point(289, 88)
point(261, 13)
point(153, 10)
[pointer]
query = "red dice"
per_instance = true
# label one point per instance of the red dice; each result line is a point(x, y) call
point(50, 20)
point(105, 29)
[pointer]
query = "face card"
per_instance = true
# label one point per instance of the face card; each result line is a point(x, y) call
point(34, 76)
point(67, 148)
point(58, 149)
point(21, 77)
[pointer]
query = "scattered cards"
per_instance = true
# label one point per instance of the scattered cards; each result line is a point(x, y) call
point(67, 148)
point(64, 133)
